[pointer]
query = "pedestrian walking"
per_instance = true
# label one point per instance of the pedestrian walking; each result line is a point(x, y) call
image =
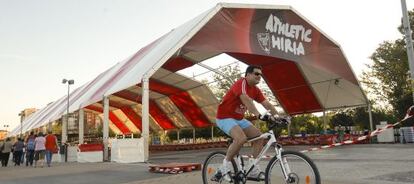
point(30, 147)
point(51, 147)
point(18, 151)
point(40, 150)
point(6, 149)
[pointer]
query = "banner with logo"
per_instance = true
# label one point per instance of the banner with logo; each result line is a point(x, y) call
point(301, 65)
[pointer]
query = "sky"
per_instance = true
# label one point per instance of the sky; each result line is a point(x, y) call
point(44, 41)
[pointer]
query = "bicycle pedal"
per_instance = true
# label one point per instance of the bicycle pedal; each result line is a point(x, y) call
point(217, 177)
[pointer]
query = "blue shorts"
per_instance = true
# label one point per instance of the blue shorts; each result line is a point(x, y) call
point(227, 124)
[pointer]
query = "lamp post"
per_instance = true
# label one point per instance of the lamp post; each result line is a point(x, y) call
point(65, 123)
point(21, 114)
point(6, 127)
point(409, 42)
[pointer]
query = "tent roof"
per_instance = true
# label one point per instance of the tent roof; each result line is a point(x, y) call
point(306, 70)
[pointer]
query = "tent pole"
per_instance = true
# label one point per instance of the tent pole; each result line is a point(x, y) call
point(178, 134)
point(105, 128)
point(165, 133)
point(194, 139)
point(212, 132)
point(81, 125)
point(288, 127)
point(409, 41)
point(371, 125)
point(325, 123)
point(145, 115)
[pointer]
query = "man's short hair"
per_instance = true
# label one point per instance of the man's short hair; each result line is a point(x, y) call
point(251, 68)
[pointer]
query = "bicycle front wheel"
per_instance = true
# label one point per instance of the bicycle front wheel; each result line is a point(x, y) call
point(211, 169)
point(300, 169)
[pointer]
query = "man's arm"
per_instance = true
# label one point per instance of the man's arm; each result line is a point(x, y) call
point(248, 102)
point(268, 106)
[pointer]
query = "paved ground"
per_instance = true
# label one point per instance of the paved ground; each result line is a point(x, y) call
point(355, 164)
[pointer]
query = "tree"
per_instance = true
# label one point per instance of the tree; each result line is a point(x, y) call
point(223, 83)
point(387, 77)
point(359, 117)
point(342, 118)
point(308, 123)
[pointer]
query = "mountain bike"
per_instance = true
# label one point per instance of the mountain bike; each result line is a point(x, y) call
point(289, 167)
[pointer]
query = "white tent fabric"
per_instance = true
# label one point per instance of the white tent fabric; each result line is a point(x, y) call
point(309, 75)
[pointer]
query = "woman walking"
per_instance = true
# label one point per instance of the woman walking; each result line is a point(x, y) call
point(30, 147)
point(40, 149)
point(18, 151)
point(6, 149)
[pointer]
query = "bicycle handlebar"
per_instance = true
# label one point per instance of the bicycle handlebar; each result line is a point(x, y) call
point(274, 122)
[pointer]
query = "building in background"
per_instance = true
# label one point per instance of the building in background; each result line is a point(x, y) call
point(26, 113)
point(3, 134)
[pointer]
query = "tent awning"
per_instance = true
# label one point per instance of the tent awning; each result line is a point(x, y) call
point(305, 69)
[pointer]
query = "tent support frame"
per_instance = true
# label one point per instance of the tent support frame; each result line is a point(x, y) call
point(145, 116)
point(81, 125)
point(105, 128)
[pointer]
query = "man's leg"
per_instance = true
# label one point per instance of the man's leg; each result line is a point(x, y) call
point(257, 145)
point(239, 138)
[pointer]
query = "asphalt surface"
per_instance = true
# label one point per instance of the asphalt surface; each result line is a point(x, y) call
point(353, 164)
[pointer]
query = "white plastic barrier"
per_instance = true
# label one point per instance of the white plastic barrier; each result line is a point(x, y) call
point(387, 135)
point(72, 153)
point(127, 150)
point(90, 155)
point(56, 157)
point(408, 133)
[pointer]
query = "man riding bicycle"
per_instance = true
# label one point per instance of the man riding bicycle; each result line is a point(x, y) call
point(230, 117)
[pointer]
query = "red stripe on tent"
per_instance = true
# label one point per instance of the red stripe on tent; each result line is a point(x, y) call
point(115, 104)
point(286, 81)
point(129, 112)
point(178, 63)
point(133, 116)
point(115, 120)
point(183, 101)
point(159, 116)
point(129, 96)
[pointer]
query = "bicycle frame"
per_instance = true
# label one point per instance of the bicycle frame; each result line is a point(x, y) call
point(272, 140)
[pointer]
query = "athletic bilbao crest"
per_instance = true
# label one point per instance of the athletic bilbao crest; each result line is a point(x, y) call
point(264, 41)
point(281, 36)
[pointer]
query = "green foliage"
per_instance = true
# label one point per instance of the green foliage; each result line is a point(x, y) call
point(387, 78)
point(359, 117)
point(342, 118)
point(223, 83)
point(308, 123)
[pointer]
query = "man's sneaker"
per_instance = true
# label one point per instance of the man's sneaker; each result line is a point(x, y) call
point(256, 174)
point(225, 170)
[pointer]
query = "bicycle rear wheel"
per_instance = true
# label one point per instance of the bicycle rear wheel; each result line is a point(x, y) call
point(211, 169)
point(302, 169)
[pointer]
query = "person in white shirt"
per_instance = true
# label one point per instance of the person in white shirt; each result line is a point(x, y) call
point(40, 149)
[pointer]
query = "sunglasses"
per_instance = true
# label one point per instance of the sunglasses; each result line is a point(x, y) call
point(257, 74)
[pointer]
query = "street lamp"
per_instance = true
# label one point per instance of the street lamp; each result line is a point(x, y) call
point(21, 114)
point(6, 127)
point(65, 123)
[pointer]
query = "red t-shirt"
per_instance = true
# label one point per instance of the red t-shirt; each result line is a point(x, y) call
point(51, 144)
point(231, 106)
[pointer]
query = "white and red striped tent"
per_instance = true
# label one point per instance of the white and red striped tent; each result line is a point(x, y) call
point(305, 69)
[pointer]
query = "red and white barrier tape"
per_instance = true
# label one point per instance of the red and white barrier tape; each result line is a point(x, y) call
point(373, 133)
point(169, 171)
